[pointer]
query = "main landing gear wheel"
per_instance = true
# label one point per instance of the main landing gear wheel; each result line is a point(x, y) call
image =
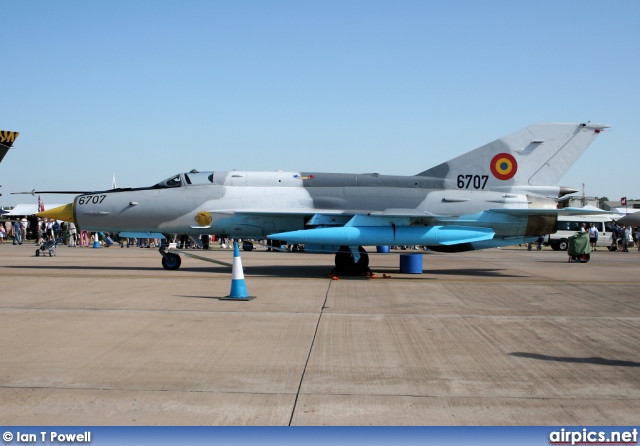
point(171, 261)
point(347, 266)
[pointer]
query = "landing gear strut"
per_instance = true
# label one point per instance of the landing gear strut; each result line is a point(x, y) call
point(170, 261)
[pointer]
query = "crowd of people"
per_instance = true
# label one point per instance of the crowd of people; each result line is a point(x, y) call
point(14, 229)
point(43, 230)
point(622, 237)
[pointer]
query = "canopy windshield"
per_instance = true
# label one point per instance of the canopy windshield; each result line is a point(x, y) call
point(186, 179)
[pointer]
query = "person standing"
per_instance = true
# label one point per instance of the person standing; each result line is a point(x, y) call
point(49, 229)
point(17, 232)
point(614, 236)
point(57, 229)
point(593, 236)
point(84, 239)
point(626, 238)
point(73, 235)
point(25, 225)
point(40, 231)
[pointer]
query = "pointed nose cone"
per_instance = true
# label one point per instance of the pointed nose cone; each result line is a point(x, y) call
point(64, 213)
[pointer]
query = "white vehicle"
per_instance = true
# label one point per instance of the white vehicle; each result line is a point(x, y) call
point(570, 224)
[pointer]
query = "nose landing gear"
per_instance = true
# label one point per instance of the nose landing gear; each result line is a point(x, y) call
point(171, 261)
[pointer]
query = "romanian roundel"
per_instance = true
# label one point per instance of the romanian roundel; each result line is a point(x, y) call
point(504, 166)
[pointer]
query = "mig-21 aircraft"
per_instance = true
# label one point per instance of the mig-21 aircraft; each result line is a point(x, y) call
point(500, 194)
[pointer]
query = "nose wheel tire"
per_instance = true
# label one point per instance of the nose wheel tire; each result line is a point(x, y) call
point(171, 262)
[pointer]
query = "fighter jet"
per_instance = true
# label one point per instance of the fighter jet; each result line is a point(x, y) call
point(500, 194)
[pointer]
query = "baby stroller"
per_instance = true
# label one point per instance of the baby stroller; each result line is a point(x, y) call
point(49, 245)
point(579, 249)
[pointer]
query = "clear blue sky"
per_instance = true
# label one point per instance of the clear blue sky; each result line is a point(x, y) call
point(148, 88)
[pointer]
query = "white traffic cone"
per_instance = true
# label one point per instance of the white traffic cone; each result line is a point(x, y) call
point(238, 287)
point(96, 242)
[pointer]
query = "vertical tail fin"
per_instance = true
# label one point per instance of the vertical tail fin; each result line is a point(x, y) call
point(7, 139)
point(538, 155)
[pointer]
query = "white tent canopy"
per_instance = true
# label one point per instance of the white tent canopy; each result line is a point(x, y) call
point(28, 209)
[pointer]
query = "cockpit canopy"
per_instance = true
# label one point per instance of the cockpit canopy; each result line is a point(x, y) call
point(187, 178)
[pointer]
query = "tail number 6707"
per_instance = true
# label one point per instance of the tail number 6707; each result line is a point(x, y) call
point(95, 199)
point(472, 181)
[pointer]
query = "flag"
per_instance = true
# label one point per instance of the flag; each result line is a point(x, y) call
point(623, 201)
point(40, 204)
point(113, 181)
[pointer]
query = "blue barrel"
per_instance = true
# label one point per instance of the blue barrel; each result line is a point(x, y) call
point(382, 249)
point(411, 263)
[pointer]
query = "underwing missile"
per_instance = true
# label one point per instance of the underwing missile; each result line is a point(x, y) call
point(387, 235)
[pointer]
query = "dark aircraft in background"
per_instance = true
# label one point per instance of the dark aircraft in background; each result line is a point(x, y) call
point(7, 138)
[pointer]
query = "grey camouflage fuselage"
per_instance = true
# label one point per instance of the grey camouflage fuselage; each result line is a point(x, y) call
point(501, 193)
